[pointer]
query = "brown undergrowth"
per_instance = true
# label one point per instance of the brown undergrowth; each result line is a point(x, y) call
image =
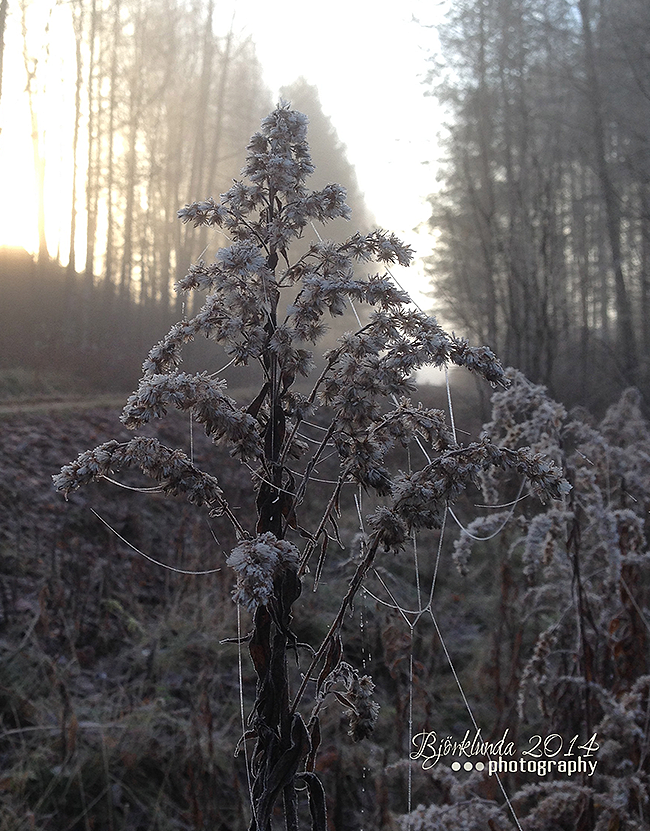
point(114, 690)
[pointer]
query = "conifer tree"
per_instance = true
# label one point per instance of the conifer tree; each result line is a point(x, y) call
point(266, 306)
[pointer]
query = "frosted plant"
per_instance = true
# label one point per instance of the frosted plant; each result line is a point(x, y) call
point(268, 306)
point(257, 563)
point(464, 809)
point(583, 562)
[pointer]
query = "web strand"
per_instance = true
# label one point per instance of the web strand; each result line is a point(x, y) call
point(146, 556)
point(242, 714)
point(499, 529)
point(469, 710)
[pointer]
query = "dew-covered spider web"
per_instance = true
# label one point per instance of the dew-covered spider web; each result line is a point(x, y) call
point(416, 606)
point(414, 601)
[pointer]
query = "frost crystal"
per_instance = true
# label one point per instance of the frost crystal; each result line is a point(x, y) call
point(257, 563)
point(175, 472)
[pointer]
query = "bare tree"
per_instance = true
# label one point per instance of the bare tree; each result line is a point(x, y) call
point(34, 77)
point(541, 209)
point(624, 321)
point(78, 21)
point(4, 6)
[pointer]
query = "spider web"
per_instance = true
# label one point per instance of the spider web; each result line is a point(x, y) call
point(413, 616)
point(423, 608)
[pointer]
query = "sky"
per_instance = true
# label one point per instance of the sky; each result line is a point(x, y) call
point(368, 60)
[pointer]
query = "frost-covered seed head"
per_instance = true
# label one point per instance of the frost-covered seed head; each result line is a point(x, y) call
point(257, 563)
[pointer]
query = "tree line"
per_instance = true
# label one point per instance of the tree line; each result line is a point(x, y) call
point(542, 212)
point(166, 94)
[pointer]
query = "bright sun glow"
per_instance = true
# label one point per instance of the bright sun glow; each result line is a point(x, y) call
point(50, 42)
point(17, 227)
point(368, 67)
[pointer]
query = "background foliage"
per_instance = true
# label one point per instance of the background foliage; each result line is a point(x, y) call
point(542, 209)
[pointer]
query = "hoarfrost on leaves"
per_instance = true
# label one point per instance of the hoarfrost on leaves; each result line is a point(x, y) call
point(257, 563)
point(175, 472)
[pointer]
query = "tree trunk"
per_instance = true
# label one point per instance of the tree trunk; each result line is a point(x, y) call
point(624, 319)
point(135, 97)
point(216, 145)
point(92, 185)
point(39, 159)
point(4, 4)
point(197, 178)
point(77, 11)
point(197, 182)
point(109, 264)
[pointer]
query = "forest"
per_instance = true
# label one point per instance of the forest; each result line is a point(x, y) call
point(541, 210)
point(158, 121)
point(441, 604)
